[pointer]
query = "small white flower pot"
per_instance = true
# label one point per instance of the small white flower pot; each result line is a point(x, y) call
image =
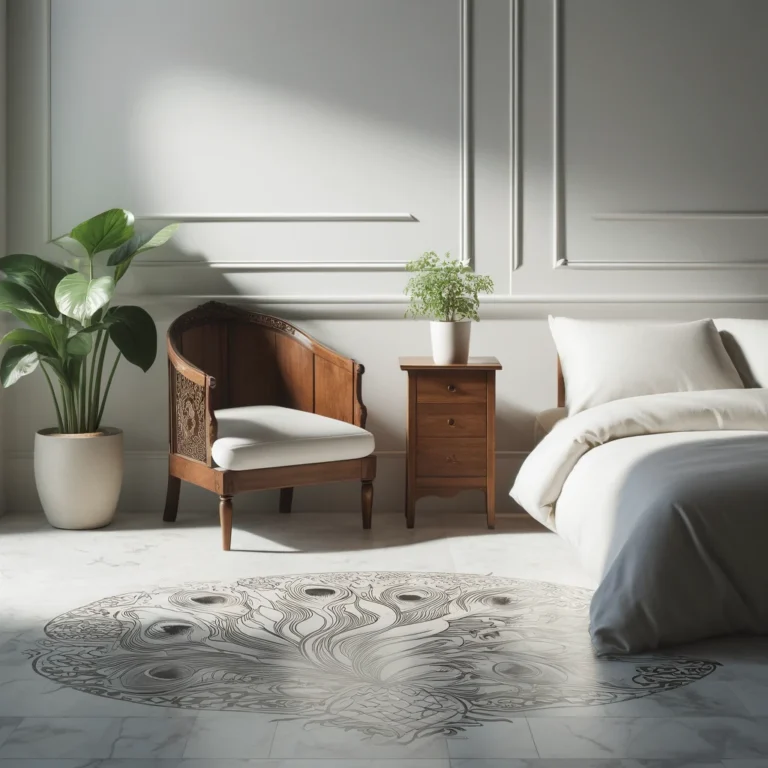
point(78, 477)
point(450, 342)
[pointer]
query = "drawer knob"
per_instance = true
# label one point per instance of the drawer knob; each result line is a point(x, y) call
point(452, 459)
point(451, 387)
point(451, 422)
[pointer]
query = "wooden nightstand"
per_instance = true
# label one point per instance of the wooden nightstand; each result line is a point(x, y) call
point(451, 443)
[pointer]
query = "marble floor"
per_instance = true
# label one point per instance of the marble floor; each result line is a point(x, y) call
point(64, 704)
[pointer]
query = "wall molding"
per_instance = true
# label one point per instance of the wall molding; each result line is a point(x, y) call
point(666, 265)
point(466, 213)
point(277, 266)
point(466, 210)
point(278, 218)
point(515, 133)
point(678, 215)
point(560, 256)
point(374, 300)
point(558, 166)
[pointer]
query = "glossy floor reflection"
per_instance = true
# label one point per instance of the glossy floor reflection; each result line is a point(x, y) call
point(719, 718)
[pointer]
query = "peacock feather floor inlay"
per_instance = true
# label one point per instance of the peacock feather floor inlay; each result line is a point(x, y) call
point(399, 655)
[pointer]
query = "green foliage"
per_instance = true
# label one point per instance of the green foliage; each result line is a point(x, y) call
point(80, 298)
point(69, 320)
point(444, 289)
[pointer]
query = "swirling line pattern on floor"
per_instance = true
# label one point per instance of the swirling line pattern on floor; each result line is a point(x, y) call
point(400, 655)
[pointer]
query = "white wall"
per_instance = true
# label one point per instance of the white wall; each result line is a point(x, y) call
point(3, 174)
point(407, 115)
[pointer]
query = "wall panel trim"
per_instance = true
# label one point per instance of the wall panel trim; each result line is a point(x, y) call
point(515, 93)
point(667, 265)
point(558, 170)
point(278, 218)
point(374, 300)
point(466, 215)
point(678, 215)
point(559, 247)
point(277, 266)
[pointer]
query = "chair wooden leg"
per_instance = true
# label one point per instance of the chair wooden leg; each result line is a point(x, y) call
point(286, 499)
point(225, 517)
point(368, 472)
point(367, 503)
point(172, 499)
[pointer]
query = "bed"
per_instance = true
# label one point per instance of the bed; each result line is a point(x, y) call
point(665, 498)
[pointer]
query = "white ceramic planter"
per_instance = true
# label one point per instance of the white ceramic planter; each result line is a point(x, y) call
point(78, 477)
point(450, 342)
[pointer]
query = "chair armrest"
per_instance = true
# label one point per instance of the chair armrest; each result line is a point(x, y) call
point(360, 412)
point(191, 420)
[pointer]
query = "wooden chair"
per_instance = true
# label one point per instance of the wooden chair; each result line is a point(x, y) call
point(247, 397)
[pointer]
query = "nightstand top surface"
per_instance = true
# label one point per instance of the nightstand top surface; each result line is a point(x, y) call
point(428, 364)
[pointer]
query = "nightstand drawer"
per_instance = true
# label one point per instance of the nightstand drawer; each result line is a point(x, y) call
point(448, 387)
point(456, 457)
point(449, 420)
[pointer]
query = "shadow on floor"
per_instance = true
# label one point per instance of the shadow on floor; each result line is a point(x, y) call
point(301, 532)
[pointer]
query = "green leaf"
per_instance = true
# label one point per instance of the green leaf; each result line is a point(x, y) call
point(140, 242)
point(16, 298)
point(444, 289)
point(59, 333)
point(17, 362)
point(41, 322)
point(38, 276)
point(134, 334)
point(35, 340)
point(122, 257)
point(102, 326)
point(71, 246)
point(103, 232)
point(80, 344)
point(80, 298)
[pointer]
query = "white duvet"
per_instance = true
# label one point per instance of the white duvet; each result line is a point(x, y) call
point(623, 482)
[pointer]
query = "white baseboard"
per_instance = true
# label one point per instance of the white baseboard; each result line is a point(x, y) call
point(144, 487)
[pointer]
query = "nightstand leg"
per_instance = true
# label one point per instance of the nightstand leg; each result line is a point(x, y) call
point(490, 507)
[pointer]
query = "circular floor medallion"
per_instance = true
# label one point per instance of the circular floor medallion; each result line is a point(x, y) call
point(399, 655)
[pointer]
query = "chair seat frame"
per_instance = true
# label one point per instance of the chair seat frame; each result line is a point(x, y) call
point(335, 391)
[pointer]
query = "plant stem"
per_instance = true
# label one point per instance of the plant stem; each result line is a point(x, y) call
point(72, 428)
point(82, 375)
point(65, 410)
point(106, 390)
point(55, 401)
point(97, 387)
point(92, 404)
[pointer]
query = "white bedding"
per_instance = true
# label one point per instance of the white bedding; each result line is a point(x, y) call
point(665, 498)
point(543, 474)
point(586, 510)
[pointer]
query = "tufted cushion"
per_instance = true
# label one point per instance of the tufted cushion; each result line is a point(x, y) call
point(262, 436)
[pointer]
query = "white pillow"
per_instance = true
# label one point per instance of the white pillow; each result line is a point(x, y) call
point(746, 341)
point(604, 361)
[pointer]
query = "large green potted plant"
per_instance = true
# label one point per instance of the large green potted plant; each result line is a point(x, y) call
point(70, 325)
point(447, 291)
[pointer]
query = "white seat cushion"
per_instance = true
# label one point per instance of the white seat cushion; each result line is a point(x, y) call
point(261, 436)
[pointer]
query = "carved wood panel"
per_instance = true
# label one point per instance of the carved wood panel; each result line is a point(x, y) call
point(189, 416)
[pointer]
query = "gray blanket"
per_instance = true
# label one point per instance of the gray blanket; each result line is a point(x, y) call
point(694, 562)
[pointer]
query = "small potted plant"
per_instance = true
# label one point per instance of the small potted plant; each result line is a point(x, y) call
point(446, 291)
point(69, 326)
